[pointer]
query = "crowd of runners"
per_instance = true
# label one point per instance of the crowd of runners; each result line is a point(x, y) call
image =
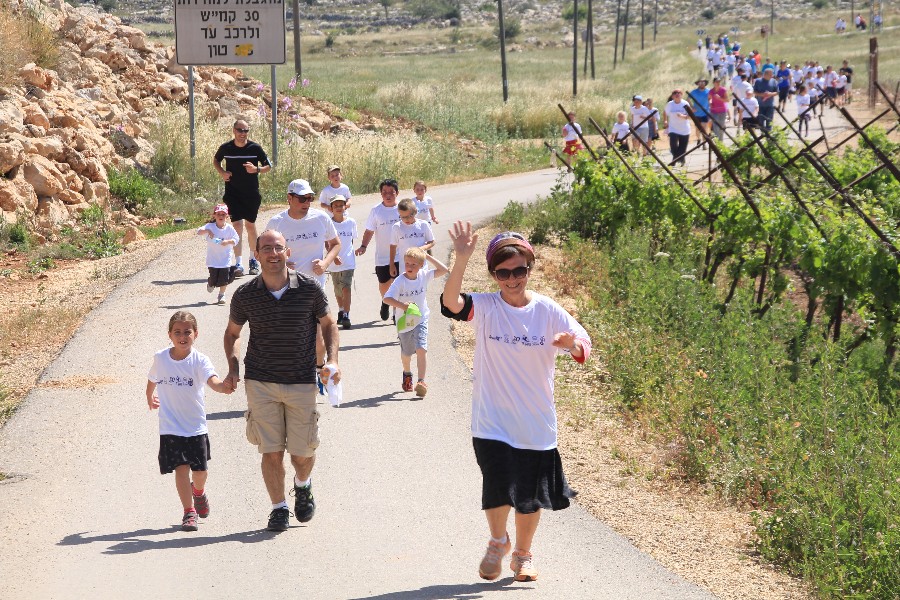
point(293, 344)
point(741, 92)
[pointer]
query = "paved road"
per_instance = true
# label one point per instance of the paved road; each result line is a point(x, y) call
point(396, 481)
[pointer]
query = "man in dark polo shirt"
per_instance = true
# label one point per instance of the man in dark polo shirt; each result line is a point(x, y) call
point(244, 161)
point(765, 89)
point(283, 308)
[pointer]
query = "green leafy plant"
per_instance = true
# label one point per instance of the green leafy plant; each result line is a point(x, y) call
point(135, 189)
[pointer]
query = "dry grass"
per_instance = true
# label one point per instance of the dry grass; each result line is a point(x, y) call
point(24, 39)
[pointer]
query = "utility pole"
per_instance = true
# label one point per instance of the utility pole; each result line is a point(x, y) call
point(575, 49)
point(591, 36)
point(297, 67)
point(642, 24)
point(616, 44)
point(625, 35)
point(502, 51)
point(655, 18)
point(771, 18)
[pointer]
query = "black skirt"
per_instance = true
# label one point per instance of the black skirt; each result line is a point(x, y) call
point(219, 277)
point(527, 480)
point(176, 450)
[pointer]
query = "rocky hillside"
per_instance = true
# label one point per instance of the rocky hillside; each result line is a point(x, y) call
point(60, 130)
point(320, 16)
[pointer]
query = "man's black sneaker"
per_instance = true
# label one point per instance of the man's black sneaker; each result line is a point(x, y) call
point(340, 317)
point(384, 311)
point(304, 503)
point(278, 519)
point(346, 322)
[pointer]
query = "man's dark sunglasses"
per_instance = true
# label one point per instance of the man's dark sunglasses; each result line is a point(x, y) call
point(239, 130)
point(304, 199)
point(504, 274)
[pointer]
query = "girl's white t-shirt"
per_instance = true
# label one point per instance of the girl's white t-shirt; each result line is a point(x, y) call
point(217, 255)
point(515, 361)
point(306, 238)
point(750, 108)
point(424, 208)
point(620, 130)
point(381, 219)
point(180, 385)
point(570, 131)
point(406, 236)
point(677, 125)
point(346, 232)
point(802, 103)
point(404, 289)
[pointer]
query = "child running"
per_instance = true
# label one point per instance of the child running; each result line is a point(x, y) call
point(410, 288)
point(408, 232)
point(424, 204)
point(221, 240)
point(334, 188)
point(175, 386)
point(620, 131)
point(803, 103)
point(345, 262)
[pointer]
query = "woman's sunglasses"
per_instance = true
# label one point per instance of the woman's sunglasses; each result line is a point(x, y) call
point(504, 274)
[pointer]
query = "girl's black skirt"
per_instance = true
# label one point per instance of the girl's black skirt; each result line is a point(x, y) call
point(527, 480)
point(176, 450)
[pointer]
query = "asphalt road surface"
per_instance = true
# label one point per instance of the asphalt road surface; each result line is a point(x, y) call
point(398, 490)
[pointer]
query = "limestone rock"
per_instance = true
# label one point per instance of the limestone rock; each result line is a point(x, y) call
point(32, 74)
point(34, 115)
point(133, 234)
point(43, 176)
point(11, 156)
point(172, 88)
point(11, 117)
point(51, 213)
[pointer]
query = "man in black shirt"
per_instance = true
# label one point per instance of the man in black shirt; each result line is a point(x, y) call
point(283, 308)
point(244, 161)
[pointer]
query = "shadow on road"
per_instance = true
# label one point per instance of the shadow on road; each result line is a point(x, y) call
point(383, 345)
point(370, 325)
point(461, 591)
point(178, 282)
point(131, 542)
point(194, 305)
point(228, 414)
point(373, 402)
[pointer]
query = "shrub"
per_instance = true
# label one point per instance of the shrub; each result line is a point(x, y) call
point(329, 39)
point(708, 13)
point(821, 3)
point(108, 5)
point(512, 28)
point(569, 11)
point(435, 9)
point(25, 39)
point(134, 189)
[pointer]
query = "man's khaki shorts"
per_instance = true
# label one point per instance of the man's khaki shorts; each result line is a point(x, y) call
point(282, 417)
point(341, 280)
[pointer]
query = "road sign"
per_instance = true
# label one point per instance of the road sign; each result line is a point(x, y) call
point(229, 32)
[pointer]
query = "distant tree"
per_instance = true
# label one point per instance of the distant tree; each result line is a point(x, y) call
point(512, 28)
point(386, 4)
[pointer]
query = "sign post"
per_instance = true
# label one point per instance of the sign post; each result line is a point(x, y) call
point(230, 32)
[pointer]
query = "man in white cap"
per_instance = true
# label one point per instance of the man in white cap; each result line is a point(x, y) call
point(311, 237)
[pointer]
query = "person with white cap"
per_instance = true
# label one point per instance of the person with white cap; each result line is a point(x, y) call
point(639, 112)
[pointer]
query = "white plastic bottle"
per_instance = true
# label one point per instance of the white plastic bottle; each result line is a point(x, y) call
point(335, 390)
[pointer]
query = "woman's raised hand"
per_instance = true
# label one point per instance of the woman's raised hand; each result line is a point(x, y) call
point(463, 239)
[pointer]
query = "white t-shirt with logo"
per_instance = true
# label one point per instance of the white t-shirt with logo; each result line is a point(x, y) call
point(515, 361)
point(381, 219)
point(638, 114)
point(620, 130)
point(677, 125)
point(346, 232)
point(217, 255)
point(181, 386)
point(328, 192)
point(404, 289)
point(571, 131)
point(406, 236)
point(424, 208)
point(306, 238)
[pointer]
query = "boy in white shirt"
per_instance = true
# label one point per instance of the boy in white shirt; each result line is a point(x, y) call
point(408, 232)
point(410, 288)
point(221, 240)
point(620, 130)
point(345, 262)
point(334, 188)
point(639, 112)
point(424, 204)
